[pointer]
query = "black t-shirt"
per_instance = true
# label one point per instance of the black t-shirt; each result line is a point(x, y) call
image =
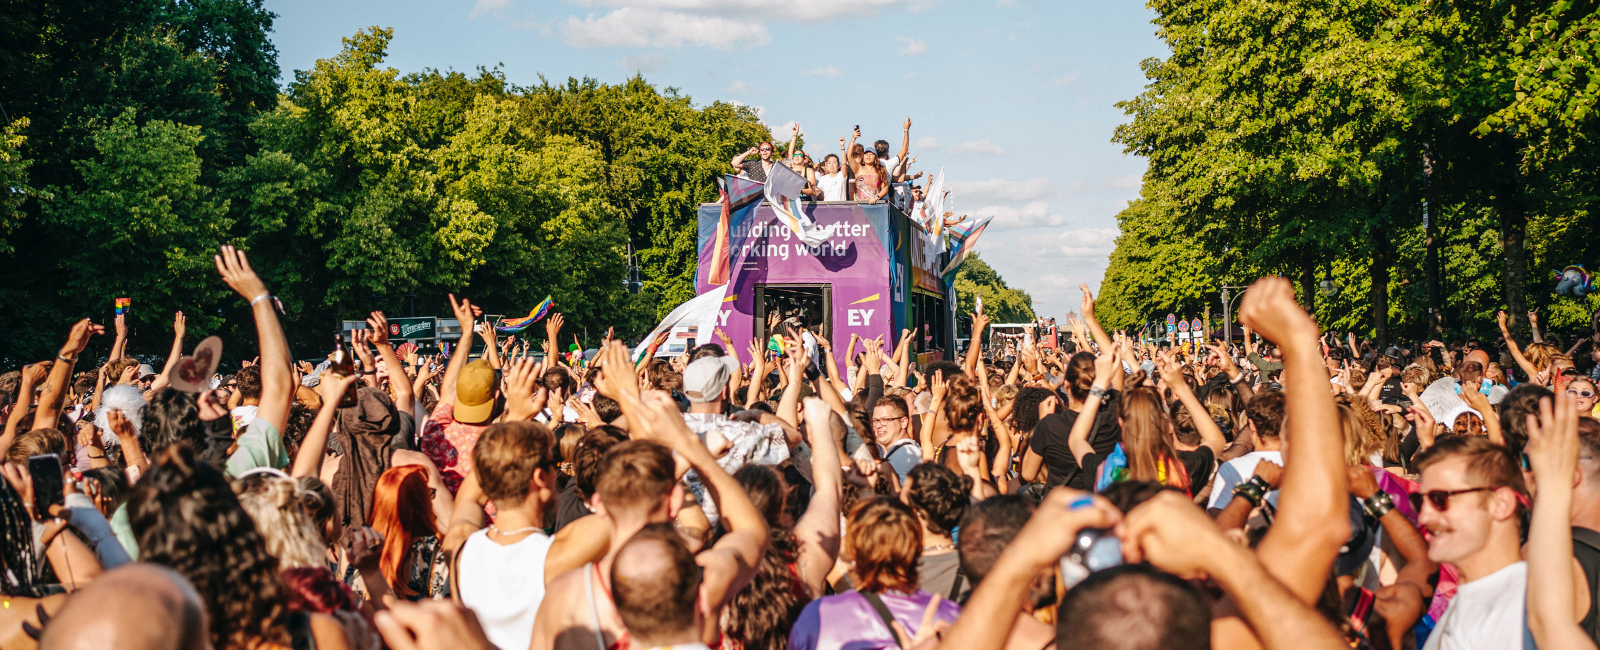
point(570, 506)
point(1199, 464)
point(1050, 442)
point(1392, 389)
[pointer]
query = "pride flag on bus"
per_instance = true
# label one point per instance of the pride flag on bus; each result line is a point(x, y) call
point(962, 241)
point(737, 194)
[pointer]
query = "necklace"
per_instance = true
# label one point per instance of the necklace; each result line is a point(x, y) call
point(519, 531)
point(939, 547)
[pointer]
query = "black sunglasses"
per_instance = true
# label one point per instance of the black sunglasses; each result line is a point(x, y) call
point(1441, 498)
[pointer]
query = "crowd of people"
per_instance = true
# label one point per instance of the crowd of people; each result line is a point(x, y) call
point(1288, 491)
point(856, 173)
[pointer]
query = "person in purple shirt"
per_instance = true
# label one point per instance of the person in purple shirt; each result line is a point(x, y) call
point(884, 542)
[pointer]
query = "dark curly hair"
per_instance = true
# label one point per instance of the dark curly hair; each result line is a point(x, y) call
point(939, 495)
point(172, 416)
point(1025, 408)
point(185, 516)
point(760, 615)
point(586, 456)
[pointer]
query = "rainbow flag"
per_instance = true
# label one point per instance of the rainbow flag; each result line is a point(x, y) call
point(961, 241)
point(122, 305)
point(513, 325)
point(783, 194)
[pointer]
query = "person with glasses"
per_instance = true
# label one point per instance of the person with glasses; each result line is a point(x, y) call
point(755, 170)
point(891, 429)
point(1583, 392)
point(1472, 501)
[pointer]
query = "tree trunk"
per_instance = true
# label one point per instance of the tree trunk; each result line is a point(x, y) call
point(1513, 240)
point(1436, 322)
point(1379, 293)
point(1308, 288)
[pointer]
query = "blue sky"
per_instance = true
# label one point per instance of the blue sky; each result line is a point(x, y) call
point(1012, 98)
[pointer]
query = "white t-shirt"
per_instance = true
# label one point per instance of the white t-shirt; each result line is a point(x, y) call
point(1237, 471)
point(243, 416)
point(1487, 613)
point(832, 186)
point(504, 585)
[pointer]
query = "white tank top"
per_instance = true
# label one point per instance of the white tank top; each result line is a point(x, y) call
point(504, 585)
point(832, 186)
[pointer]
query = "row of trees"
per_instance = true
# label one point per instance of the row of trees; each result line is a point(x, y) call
point(1415, 165)
point(141, 135)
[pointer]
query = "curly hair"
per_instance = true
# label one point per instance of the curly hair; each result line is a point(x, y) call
point(185, 516)
point(172, 416)
point(939, 495)
point(316, 590)
point(275, 505)
point(760, 615)
point(1025, 408)
point(963, 404)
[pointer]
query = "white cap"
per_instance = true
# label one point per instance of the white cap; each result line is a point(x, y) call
point(705, 378)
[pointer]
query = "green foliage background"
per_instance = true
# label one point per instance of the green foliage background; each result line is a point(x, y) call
point(1289, 137)
point(140, 135)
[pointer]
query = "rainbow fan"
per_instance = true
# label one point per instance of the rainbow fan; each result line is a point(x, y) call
point(512, 325)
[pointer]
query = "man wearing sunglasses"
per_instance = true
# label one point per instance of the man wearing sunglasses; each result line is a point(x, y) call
point(1471, 502)
point(755, 170)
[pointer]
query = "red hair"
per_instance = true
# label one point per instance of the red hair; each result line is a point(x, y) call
point(315, 590)
point(402, 511)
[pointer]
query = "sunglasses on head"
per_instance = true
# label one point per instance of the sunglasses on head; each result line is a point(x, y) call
point(1441, 498)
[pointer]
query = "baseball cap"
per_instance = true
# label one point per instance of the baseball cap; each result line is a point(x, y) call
point(705, 378)
point(145, 370)
point(475, 392)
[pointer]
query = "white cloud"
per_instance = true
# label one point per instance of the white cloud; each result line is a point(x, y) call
point(1035, 213)
point(1086, 242)
point(764, 10)
point(927, 143)
point(648, 27)
point(1064, 79)
point(488, 7)
point(645, 62)
point(738, 88)
point(1001, 189)
point(913, 46)
point(829, 71)
point(781, 131)
point(761, 111)
point(1129, 182)
point(981, 146)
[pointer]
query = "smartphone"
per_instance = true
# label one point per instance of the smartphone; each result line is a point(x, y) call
point(1095, 549)
point(858, 127)
point(47, 477)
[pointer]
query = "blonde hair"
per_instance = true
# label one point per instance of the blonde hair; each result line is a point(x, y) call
point(274, 503)
point(1541, 354)
point(1360, 426)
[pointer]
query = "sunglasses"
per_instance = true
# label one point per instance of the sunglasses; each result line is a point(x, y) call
point(1578, 392)
point(1441, 498)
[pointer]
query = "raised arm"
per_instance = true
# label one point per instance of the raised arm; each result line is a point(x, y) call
point(162, 380)
point(1100, 337)
point(1172, 373)
point(789, 404)
point(850, 163)
point(277, 379)
point(403, 395)
point(119, 347)
point(1078, 439)
point(738, 161)
point(308, 459)
point(980, 320)
point(491, 347)
point(458, 357)
point(1552, 451)
point(32, 374)
point(61, 373)
point(818, 529)
point(1516, 350)
point(1312, 521)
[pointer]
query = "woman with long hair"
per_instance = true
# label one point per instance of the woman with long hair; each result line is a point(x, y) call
point(413, 559)
point(1049, 445)
point(882, 546)
point(831, 180)
point(965, 417)
point(185, 516)
point(871, 179)
point(1147, 451)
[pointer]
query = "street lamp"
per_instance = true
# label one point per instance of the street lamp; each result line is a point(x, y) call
point(1227, 310)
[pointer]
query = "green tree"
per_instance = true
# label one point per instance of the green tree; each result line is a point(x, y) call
point(1001, 302)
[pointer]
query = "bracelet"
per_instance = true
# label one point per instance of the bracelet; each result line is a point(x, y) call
point(1379, 504)
point(259, 298)
point(1098, 392)
point(63, 357)
point(1250, 491)
point(1238, 379)
point(1260, 483)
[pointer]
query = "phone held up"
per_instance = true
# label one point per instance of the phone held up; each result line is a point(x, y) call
point(46, 472)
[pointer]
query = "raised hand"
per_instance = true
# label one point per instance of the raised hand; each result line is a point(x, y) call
point(333, 386)
point(378, 329)
point(78, 337)
point(1269, 308)
point(179, 325)
point(552, 327)
point(463, 313)
point(34, 373)
point(617, 379)
point(521, 382)
point(235, 269)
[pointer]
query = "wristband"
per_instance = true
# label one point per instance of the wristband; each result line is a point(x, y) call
point(1260, 483)
point(1250, 491)
point(1238, 379)
point(1097, 392)
point(1379, 504)
point(63, 357)
point(259, 298)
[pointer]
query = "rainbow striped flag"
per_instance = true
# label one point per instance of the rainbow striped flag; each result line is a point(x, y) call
point(783, 194)
point(513, 325)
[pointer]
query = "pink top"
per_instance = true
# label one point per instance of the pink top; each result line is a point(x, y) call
point(853, 624)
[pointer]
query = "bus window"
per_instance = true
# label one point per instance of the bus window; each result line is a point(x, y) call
point(798, 305)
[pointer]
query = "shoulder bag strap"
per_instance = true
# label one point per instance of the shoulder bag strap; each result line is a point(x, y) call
point(883, 613)
point(955, 586)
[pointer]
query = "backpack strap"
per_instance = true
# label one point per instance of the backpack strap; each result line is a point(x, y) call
point(955, 587)
point(883, 613)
